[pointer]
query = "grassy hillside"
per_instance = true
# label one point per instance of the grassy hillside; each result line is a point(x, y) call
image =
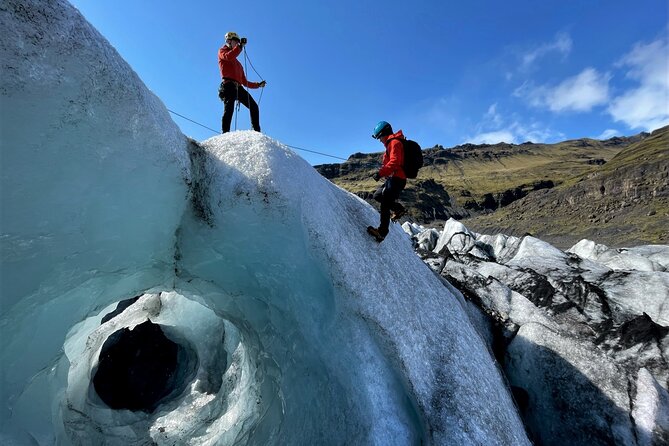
point(621, 203)
point(495, 169)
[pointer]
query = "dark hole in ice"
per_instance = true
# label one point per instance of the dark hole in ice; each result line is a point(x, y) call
point(142, 368)
point(120, 307)
point(521, 397)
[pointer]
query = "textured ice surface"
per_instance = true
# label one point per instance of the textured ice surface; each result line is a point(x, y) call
point(509, 305)
point(299, 328)
point(501, 247)
point(641, 258)
point(650, 410)
point(582, 335)
point(628, 293)
point(456, 237)
point(412, 228)
point(423, 239)
point(561, 377)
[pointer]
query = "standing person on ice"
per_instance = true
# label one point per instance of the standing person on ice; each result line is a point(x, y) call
point(393, 169)
point(234, 81)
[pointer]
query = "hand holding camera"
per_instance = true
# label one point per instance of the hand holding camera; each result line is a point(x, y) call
point(243, 41)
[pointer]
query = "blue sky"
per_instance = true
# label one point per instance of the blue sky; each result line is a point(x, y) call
point(445, 72)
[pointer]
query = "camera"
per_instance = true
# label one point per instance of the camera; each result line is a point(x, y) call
point(243, 40)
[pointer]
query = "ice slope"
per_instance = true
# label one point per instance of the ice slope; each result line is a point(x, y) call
point(299, 244)
point(92, 181)
point(296, 327)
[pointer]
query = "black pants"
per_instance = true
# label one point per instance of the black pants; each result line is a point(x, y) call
point(229, 92)
point(386, 195)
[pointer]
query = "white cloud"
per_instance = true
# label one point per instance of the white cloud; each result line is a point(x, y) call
point(579, 93)
point(608, 133)
point(561, 44)
point(495, 127)
point(646, 106)
point(493, 137)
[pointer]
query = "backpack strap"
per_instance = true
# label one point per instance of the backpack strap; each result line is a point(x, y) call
point(390, 139)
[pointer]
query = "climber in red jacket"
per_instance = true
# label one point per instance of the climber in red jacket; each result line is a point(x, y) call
point(393, 169)
point(234, 81)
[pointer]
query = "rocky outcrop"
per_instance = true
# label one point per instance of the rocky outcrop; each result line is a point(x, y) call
point(494, 201)
point(582, 335)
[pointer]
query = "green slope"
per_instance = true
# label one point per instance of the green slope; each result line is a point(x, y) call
point(621, 203)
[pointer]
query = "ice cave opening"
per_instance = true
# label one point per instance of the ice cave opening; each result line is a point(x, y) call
point(140, 369)
point(162, 363)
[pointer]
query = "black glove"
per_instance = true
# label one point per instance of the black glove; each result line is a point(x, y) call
point(243, 41)
point(376, 176)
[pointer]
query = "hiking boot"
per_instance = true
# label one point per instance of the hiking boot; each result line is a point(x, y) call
point(396, 215)
point(374, 232)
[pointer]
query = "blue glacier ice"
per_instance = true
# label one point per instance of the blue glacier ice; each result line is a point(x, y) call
point(294, 326)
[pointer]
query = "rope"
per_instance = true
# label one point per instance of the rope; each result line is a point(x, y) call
point(236, 105)
point(251, 63)
point(247, 58)
point(313, 151)
point(194, 122)
point(248, 91)
point(218, 133)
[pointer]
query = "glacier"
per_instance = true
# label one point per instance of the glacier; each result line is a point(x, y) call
point(582, 335)
point(287, 324)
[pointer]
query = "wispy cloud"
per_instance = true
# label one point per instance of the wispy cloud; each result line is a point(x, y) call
point(562, 45)
point(518, 61)
point(492, 116)
point(608, 133)
point(580, 93)
point(647, 105)
point(495, 127)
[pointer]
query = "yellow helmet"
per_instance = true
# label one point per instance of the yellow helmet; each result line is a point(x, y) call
point(231, 35)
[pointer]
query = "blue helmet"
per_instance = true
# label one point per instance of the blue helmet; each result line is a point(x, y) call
point(382, 129)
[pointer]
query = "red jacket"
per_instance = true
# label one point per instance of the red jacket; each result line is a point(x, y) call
point(393, 159)
point(230, 66)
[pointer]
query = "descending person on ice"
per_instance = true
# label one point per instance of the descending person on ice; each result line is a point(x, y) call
point(234, 81)
point(393, 169)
